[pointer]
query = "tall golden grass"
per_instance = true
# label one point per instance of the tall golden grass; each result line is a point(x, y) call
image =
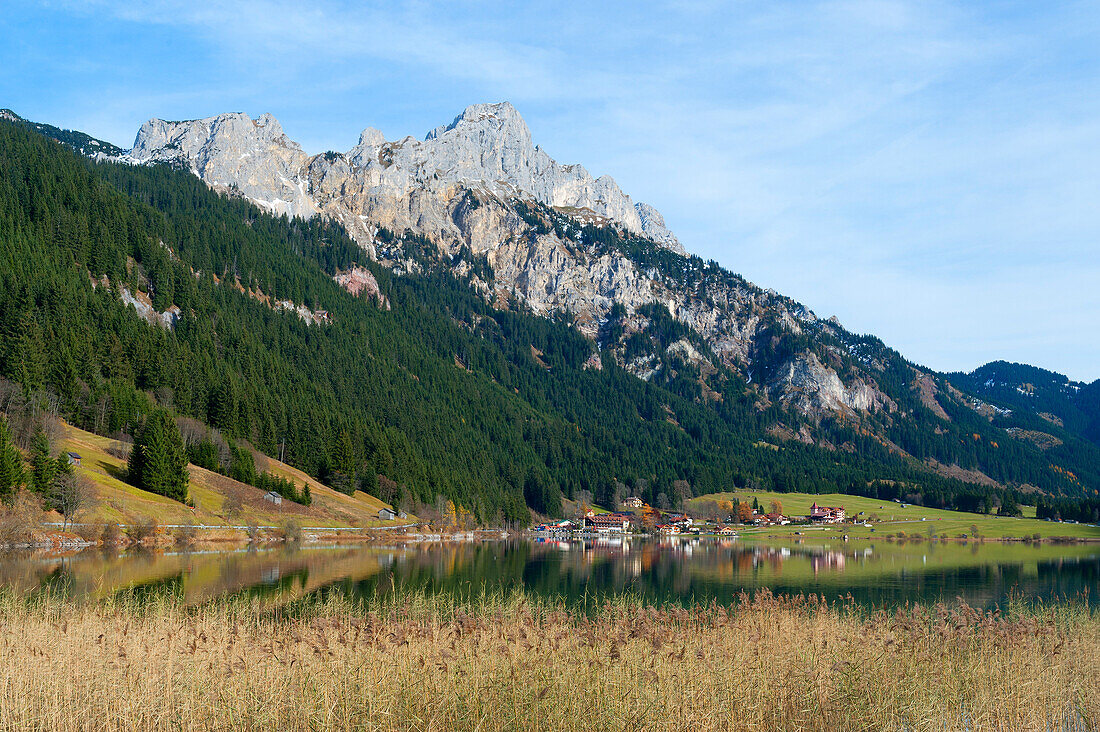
point(509, 662)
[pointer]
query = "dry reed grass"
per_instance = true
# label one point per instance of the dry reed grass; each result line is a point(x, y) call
point(422, 662)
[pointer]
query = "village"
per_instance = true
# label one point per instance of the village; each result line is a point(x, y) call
point(725, 519)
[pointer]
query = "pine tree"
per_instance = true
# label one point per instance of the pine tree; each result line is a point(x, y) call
point(11, 463)
point(63, 475)
point(158, 461)
point(43, 467)
point(31, 354)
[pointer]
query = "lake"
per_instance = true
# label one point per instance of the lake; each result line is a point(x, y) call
point(874, 573)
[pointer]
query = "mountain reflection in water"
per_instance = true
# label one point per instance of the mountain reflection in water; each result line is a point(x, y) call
point(585, 571)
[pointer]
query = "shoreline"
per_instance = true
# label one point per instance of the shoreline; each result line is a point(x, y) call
point(59, 542)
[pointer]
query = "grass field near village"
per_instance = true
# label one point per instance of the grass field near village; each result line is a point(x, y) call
point(893, 519)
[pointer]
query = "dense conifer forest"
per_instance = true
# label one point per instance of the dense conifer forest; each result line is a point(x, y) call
point(435, 393)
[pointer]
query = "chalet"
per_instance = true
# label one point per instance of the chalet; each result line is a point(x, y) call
point(387, 514)
point(558, 527)
point(826, 514)
point(669, 529)
point(777, 519)
point(633, 502)
point(727, 531)
point(273, 497)
point(607, 523)
point(73, 458)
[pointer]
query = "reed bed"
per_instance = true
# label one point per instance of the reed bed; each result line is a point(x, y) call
point(412, 661)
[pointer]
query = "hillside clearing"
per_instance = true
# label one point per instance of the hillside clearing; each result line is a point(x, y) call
point(116, 501)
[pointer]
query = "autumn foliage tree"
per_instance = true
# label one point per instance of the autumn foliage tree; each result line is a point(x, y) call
point(744, 512)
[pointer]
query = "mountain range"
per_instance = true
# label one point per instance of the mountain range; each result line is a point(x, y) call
point(477, 203)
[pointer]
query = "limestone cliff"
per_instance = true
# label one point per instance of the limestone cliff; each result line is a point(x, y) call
point(480, 185)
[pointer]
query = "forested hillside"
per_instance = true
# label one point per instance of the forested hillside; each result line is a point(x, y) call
point(427, 391)
point(1052, 397)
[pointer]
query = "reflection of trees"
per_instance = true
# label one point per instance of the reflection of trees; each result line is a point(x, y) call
point(59, 582)
point(668, 569)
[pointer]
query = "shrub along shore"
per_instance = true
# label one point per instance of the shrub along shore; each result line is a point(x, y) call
point(441, 662)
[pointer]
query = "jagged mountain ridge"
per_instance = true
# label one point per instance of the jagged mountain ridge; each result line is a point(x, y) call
point(488, 146)
point(464, 186)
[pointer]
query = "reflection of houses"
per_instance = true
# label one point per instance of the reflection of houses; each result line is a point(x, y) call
point(826, 514)
point(633, 502)
point(607, 523)
point(827, 561)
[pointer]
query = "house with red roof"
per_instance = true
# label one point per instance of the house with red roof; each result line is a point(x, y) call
point(826, 514)
point(607, 523)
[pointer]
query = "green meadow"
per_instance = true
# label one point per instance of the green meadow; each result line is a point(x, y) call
point(891, 519)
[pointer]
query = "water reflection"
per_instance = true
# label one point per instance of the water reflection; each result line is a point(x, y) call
point(583, 571)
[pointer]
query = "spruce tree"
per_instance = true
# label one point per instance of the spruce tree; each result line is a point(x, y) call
point(11, 463)
point(158, 461)
point(31, 354)
point(43, 467)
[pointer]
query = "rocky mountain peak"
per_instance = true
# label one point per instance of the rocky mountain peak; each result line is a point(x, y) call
point(232, 150)
point(371, 137)
point(488, 146)
point(499, 117)
point(653, 224)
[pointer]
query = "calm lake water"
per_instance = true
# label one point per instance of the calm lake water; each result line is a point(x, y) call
point(874, 573)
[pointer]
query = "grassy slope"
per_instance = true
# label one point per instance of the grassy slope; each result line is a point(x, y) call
point(117, 501)
point(892, 518)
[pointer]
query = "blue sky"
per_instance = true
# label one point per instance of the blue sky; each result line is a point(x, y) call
point(926, 171)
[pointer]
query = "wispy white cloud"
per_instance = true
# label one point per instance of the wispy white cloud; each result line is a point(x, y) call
point(910, 165)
